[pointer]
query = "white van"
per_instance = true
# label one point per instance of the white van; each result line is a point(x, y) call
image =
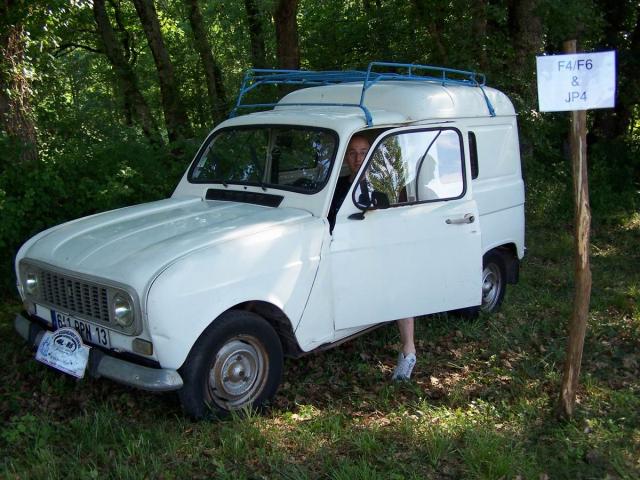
point(206, 291)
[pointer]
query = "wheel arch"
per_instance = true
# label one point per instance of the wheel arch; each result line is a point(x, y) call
point(274, 315)
point(237, 361)
point(278, 320)
point(509, 254)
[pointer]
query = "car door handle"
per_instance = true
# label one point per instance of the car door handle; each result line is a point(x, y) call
point(468, 218)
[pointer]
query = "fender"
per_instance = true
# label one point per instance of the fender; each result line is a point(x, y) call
point(277, 265)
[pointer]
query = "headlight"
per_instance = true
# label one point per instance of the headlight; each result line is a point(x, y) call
point(31, 283)
point(122, 310)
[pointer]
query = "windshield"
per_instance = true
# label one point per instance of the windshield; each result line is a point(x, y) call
point(290, 158)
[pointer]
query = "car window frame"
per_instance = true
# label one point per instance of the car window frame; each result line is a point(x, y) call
point(399, 131)
point(288, 188)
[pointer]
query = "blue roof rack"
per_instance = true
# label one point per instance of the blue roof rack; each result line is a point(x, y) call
point(255, 78)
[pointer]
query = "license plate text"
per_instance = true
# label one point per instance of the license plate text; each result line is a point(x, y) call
point(89, 332)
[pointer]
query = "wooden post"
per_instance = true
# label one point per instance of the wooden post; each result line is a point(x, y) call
point(582, 295)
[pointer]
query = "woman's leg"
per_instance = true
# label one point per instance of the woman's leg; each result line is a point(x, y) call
point(407, 357)
point(406, 326)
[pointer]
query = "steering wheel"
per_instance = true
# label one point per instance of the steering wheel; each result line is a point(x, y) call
point(304, 182)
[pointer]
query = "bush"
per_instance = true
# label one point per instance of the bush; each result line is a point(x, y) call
point(80, 178)
point(614, 172)
point(614, 178)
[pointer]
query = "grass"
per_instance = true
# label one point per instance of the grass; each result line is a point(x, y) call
point(480, 405)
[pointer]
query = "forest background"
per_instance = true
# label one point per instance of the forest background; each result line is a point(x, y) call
point(103, 103)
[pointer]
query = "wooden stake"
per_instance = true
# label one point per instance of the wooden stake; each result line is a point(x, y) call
point(582, 295)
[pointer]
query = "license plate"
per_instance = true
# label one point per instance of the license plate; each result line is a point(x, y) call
point(89, 332)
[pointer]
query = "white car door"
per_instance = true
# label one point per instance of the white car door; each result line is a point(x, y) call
point(422, 254)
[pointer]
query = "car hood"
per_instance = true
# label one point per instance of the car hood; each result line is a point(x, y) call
point(131, 245)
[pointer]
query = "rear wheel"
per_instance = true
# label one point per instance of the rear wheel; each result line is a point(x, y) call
point(236, 363)
point(494, 282)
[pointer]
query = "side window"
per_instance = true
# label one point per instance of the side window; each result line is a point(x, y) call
point(418, 166)
point(473, 155)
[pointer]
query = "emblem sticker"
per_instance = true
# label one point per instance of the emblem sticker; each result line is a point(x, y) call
point(64, 350)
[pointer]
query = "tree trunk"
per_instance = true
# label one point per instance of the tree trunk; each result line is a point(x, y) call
point(215, 88)
point(134, 102)
point(287, 48)
point(525, 28)
point(256, 34)
point(433, 18)
point(16, 117)
point(175, 115)
point(126, 39)
point(615, 123)
point(630, 89)
point(582, 295)
point(479, 31)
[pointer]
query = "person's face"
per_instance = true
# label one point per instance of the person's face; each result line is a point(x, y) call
point(356, 151)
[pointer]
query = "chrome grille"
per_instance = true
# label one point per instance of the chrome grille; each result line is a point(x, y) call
point(75, 296)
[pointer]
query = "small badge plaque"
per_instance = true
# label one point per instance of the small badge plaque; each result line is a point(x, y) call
point(64, 350)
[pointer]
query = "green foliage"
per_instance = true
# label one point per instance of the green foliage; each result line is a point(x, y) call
point(614, 177)
point(86, 175)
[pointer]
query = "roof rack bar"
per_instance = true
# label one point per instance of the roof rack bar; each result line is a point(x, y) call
point(258, 77)
point(365, 110)
point(470, 80)
point(471, 76)
point(492, 111)
point(445, 76)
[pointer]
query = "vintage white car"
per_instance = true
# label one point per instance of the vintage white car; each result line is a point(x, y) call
point(206, 291)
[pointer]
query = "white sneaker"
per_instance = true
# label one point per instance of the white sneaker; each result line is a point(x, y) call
point(404, 367)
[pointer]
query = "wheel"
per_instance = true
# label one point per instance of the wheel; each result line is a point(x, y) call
point(494, 282)
point(236, 363)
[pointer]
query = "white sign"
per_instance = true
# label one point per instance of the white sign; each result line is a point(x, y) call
point(580, 81)
point(64, 350)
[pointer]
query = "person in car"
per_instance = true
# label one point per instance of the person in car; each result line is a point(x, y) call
point(356, 152)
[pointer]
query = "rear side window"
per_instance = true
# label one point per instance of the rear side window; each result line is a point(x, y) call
point(417, 166)
point(473, 155)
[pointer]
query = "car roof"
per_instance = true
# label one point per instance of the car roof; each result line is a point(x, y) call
point(414, 101)
point(390, 103)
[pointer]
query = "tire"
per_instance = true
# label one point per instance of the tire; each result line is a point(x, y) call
point(236, 363)
point(494, 282)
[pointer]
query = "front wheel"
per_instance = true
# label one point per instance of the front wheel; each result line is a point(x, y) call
point(494, 282)
point(236, 363)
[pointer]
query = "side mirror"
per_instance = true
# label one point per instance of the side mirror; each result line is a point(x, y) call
point(364, 202)
point(363, 199)
point(376, 201)
point(380, 200)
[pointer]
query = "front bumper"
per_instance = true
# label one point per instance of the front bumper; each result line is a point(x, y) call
point(103, 365)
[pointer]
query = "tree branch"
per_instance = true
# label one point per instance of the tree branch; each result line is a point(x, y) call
point(66, 48)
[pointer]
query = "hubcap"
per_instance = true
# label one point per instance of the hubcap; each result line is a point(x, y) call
point(239, 372)
point(491, 287)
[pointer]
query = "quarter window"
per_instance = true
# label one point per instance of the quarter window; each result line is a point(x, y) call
point(473, 155)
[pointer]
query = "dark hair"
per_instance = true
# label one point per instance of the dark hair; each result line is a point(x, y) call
point(362, 136)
